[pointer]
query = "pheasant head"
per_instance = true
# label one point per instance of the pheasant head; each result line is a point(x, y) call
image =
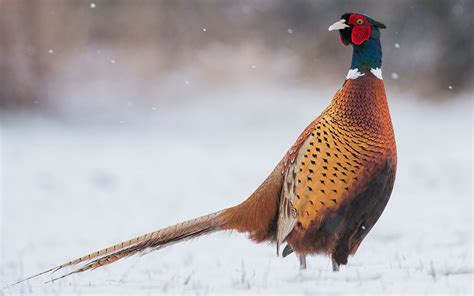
point(363, 33)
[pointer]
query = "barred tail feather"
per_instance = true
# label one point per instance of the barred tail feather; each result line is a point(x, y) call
point(149, 242)
point(256, 216)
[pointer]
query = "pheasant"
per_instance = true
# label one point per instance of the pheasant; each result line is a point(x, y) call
point(330, 188)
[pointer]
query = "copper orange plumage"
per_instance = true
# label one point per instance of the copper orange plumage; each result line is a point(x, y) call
point(351, 145)
point(327, 192)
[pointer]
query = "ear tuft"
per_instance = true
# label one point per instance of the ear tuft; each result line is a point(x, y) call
point(376, 24)
point(381, 26)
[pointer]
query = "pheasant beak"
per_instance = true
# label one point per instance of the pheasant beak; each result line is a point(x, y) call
point(339, 25)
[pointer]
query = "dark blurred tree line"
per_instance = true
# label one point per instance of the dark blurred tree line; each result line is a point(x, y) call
point(428, 43)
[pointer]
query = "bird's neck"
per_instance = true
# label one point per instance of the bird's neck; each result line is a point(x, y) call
point(366, 58)
point(362, 103)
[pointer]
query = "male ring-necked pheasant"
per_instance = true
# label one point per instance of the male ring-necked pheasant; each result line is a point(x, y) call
point(331, 187)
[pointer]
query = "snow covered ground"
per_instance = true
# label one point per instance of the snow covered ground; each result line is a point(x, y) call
point(70, 187)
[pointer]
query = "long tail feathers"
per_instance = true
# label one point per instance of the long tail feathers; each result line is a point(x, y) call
point(255, 216)
point(148, 242)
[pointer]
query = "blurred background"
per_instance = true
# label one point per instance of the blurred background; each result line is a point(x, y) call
point(119, 117)
point(59, 56)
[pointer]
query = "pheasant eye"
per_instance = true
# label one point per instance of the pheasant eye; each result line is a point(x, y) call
point(360, 22)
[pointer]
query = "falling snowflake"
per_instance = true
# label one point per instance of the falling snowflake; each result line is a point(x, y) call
point(92, 5)
point(450, 87)
point(204, 29)
point(397, 45)
point(153, 108)
point(50, 51)
point(395, 76)
point(290, 31)
point(187, 82)
point(254, 67)
point(112, 61)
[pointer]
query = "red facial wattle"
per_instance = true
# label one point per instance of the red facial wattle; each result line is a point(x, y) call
point(360, 32)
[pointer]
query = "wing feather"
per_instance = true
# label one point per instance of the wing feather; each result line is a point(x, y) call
point(287, 216)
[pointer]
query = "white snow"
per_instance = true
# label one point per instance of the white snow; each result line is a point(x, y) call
point(395, 76)
point(50, 51)
point(71, 188)
point(397, 45)
point(92, 5)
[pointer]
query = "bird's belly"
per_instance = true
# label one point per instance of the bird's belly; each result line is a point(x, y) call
point(337, 223)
